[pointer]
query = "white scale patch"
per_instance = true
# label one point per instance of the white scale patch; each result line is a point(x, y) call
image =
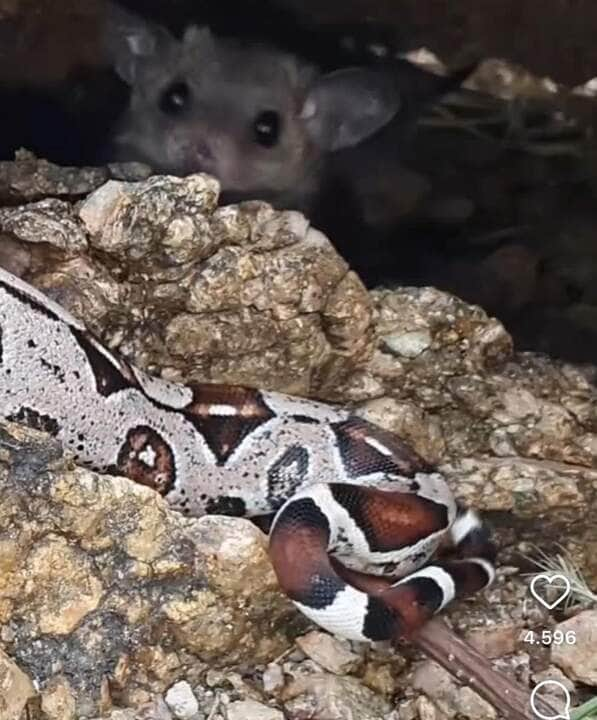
point(441, 578)
point(287, 405)
point(463, 525)
point(163, 391)
point(40, 298)
point(376, 445)
point(148, 456)
point(344, 617)
point(486, 565)
point(223, 410)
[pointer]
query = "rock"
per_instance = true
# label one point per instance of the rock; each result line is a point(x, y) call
point(426, 710)
point(553, 673)
point(252, 710)
point(61, 587)
point(409, 422)
point(409, 344)
point(156, 709)
point(273, 678)
point(116, 217)
point(181, 701)
point(168, 275)
point(330, 697)
point(16, 689)
point(58, 700)
point(451, 698)
point(578, 658)
point(329, 652)
point(51, 221)
point(381, 677)
point(495, 641)
point(15, 256)
point(101, 579)
point(28, 178)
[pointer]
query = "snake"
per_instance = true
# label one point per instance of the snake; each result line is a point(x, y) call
point(365, 536)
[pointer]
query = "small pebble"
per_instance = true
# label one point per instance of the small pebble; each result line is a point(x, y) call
point(181, 701)
point(408, 344)
point(273, 678)
point(576, 655)
point(329, 652)
point(252, 710)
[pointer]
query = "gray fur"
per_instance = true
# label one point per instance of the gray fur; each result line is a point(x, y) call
point(229, 83)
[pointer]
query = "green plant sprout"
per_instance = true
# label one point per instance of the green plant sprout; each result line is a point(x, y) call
point(585, 711)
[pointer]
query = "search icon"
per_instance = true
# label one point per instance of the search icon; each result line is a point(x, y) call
point(565, 715)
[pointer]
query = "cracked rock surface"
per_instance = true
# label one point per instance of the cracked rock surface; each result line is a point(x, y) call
point(101, 580)
point(113, 606)
point(182, 287)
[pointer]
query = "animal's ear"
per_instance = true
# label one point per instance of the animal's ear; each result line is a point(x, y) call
point(346, 106)
point(129, 39)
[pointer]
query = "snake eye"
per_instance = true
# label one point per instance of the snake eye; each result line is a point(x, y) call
point(175, 98)
point(267, 128)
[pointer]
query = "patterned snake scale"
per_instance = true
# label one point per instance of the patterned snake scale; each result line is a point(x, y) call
point(352, 503)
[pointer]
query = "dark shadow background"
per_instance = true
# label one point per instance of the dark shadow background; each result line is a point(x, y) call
point(527, 252)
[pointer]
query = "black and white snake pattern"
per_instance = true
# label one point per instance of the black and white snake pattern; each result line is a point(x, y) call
point(351, 501)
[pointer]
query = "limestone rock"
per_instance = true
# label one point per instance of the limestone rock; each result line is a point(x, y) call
point(58, 700)
point(452, 699)
point(16, 689)
point(181, 701)
point(116, 217)
point(493, 641)
point(330, 697)
point(240, 294)
point(251, 710)
point(28, 178)
point(273, 678)
point(61, 586)
point(100, 579)
point(330, 652)
point(51, 221)
point(578, 659)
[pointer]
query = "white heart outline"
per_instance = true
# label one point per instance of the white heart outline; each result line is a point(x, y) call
point(549, 579)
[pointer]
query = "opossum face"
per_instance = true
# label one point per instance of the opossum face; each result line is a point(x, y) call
point(259, 120)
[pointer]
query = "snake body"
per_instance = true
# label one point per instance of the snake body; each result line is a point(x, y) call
point(351, 502)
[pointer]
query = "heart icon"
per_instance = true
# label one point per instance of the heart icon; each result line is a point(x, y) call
point(558, 581)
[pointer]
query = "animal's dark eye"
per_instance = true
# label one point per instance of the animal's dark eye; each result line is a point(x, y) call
point(267, 128)
point(175, 98)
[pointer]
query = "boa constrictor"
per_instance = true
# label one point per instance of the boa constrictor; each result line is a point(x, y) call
point(352, 502)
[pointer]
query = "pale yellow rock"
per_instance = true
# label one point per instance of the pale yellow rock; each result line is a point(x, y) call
point(577, 656)
point(61, 587)
point(331, 653)
point(15, 689)
point(58, 701)
point(323, 695)
point(103, 578)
